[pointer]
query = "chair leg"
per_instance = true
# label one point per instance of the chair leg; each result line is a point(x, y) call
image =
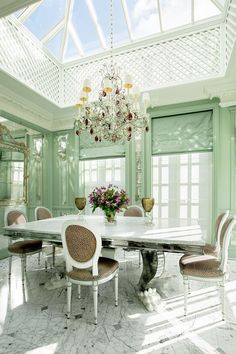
point(9, 269)
point(79, 292)
point(116, 289)
point(139, 259)
point(39, 258)
point(53, 255)
point(95, 302)
point(23, 268)
point(69, 292)
point(185, 294)
point(222, 295)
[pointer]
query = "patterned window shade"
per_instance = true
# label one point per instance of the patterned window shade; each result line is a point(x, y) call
point(182, 133)
point(89, 149)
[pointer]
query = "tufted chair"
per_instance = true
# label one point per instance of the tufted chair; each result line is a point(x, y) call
point(207, 267)
point(20, 248)
point(82, 249)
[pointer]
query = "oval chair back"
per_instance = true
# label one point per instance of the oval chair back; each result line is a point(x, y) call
point(81, 246)
point(225, 237)
point(218, 227)
point(42, 213)
point(14, 217)
point(134, 210)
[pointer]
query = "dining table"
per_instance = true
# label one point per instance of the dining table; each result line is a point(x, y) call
point(132, 233)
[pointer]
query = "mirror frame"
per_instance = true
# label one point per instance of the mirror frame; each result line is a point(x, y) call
point(7, 142)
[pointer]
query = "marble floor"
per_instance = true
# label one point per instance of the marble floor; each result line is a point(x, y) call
point(38, 325)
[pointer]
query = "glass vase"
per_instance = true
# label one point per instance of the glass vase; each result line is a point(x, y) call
point(110, 216)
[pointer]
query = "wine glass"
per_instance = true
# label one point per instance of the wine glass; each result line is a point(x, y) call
point(147, 204)
point(80, 203)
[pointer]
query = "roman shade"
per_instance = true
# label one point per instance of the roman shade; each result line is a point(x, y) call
point(182, 133)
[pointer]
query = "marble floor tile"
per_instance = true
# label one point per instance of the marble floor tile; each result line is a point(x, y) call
point(37, 324)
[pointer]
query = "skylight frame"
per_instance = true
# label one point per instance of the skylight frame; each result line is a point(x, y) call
point(67, 27)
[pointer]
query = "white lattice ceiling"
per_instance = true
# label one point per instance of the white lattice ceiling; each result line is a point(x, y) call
point(75, 29)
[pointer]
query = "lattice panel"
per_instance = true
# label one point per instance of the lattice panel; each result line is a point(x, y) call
point(21, 57)
point(230, 26)
point(187, 58)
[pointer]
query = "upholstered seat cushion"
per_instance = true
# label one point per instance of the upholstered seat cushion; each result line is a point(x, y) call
point(23, 247)
point(200, 266)
point(106, 267)
point(210, 250)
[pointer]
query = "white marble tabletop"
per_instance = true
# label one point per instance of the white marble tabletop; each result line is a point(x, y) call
point(168, 231)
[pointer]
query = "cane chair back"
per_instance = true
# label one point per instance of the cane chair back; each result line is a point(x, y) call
point(134, 210)
point(42, 213)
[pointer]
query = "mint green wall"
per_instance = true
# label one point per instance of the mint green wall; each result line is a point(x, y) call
point(57, 171)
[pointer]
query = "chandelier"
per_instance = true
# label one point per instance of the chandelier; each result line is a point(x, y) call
point(120, 112)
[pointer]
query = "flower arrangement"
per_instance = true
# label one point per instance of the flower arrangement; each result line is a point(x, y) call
point(110, 199)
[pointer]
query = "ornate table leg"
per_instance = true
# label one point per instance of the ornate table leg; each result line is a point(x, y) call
point(149, 297)
point(150, 263)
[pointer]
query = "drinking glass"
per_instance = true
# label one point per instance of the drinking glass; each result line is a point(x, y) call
point(80, 203)
point(147, 204)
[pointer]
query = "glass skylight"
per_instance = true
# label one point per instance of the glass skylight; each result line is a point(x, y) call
point(80, 28)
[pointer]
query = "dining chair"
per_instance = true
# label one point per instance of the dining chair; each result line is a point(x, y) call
point(215, 249)
point(82, 249)
point(42, 213)
point(134, 210)
point(20, 248)
point(207, 267)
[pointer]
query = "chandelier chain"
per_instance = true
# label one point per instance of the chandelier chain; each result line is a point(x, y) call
point(111, 35)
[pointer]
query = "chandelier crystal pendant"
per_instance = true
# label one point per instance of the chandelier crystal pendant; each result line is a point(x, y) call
point(120, 111)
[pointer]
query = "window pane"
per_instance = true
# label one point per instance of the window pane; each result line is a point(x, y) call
point(183, 194)
point(108, 176)
point(195, 194)
point(164, 194)
point(165, 175)
point(155, 175)
point(195, 174)
point(183, 174)
point(195, 211)
point(45, 17)
point(183, 212)
point(144, 18)
point(117, 175)
point(175, 13)
point(164, 212)
point(94, 176)
point(164, 160)
point(183, 158)
point(195, 158)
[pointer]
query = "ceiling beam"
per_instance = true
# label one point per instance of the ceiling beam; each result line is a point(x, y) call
point(99, 30)
point(54, 31)
point(76, 39)
point(9, 6)
point(127, 19)
point(68, 13)
point(192, 11)
point(218, 5)
point(28, 11)
point(159, 15)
